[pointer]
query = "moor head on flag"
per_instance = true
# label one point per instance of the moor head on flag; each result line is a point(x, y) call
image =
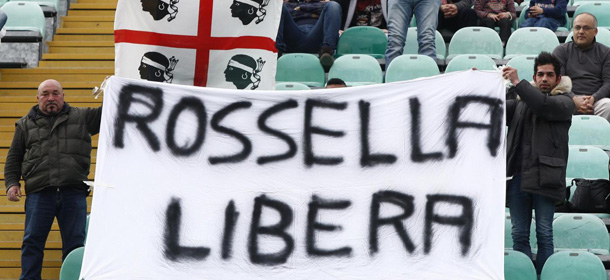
point(247, 10)
point(156, 67)
point(243, 70)
point(159, 9)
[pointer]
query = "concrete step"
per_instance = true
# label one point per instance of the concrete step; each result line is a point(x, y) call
point(81, 37)
point(85, 31)
point(91, 44)
point(75, 63)
point(78, 56)
point(72, 18)
point(93, 6)
point(93, 13)
point(81, 24)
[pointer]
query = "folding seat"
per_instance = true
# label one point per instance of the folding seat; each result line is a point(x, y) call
point(573, 231)
point(24, 16)
point(412, 47)
point(70, 268)
point(410, 66)
point(476, 40)
point(573, 265)
point(587, 162)
point(291, 86)
point(590, 130)
point(363, 40)
point(467, 61)
point(530, 40)
point(524, 65)
point(603, 36)
point(600, 9)
point(356, 69)
point(23, 42)
point(518, 266)
point(304, 68)
point(579, 2)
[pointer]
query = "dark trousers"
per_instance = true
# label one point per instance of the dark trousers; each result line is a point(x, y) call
point(464, 18)
point(504, 24)
point(69, 205)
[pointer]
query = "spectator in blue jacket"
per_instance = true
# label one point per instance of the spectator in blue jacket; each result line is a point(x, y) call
point(546, 13)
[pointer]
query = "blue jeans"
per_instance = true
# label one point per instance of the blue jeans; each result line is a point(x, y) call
point(521, 204)
point(399, 17)
point(70, 207)
point(549, 23)
point(309, 38)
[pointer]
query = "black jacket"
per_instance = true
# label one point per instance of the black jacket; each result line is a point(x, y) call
point(538, 126)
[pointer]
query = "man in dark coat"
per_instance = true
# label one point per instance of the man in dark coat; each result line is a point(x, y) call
point(537, 152)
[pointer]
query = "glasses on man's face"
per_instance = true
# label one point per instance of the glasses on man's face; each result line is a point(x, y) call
point(583, 28)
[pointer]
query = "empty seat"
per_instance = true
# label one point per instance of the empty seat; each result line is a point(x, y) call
point(50, 3)
point(291, 86)
point(590, 130)
point(304, 68)
point(581, 231)
point(600, 9)
point(587, 162)
point(466, 61)
point(573, 265)
point(70, 268)
point(24, 16)
point(603, 36)
point(524, 65)
point(476, 40)
point(356, 70)
point(412, 46)
point(530, 40)
point(411, 66)
point(518, 266)
point(363, 40)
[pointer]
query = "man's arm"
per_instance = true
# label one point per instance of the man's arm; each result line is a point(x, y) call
point(14, 158)
point(464, 4)
point(549, 107)
point(604, 90)
point(557, 12)
point(93, 119)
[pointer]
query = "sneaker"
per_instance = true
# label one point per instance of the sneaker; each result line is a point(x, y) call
point(326, 58)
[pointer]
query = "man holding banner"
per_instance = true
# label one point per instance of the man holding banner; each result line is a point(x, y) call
point(537, 152)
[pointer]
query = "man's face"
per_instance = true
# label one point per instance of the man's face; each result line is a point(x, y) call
point(50, 97)
point(545, 78)
point(584, 31)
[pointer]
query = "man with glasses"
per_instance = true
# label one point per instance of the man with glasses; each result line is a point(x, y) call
point(587, 62)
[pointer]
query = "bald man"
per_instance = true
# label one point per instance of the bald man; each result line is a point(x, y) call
point(51, 152)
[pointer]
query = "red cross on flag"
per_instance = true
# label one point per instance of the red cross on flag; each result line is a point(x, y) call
point(213, 43)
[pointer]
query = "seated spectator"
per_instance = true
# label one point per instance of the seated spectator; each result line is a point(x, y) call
point(335, 83)
point(499, 13)
point(455, 14)
point(366, 13)
point(310, 27)
point(545, 13)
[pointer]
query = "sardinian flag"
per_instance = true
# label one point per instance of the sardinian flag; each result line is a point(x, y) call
point(213, 43)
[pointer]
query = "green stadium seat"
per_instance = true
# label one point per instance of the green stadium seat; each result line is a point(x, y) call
point(603, 36)
point(304, 68)
point(291, 86)
point(518, 266)
point(411, 66)
point(573, 231)
point(530, 40)
point(356, 69)
point(587, 162)
point(412, 47)
point(24, 16)
point(363, 40)
point(476, 40)
point(525, 4)
point(573, 265)
point(2, 2)
point(467, 61)
point(51, 3)
point(590, 130)
point(579, 2)
point(600, 9)
point(70, 269)
point(524, 65)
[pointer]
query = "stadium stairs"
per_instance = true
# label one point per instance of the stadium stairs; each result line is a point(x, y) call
point(80, 56)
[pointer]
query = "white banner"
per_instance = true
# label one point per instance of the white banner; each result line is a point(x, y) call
point(214, 43)
point(391, 181)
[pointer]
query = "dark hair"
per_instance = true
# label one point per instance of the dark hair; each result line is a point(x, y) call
point(545, 58)
point(335, 81)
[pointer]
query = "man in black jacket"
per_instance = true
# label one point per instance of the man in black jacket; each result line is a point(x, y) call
point(537, 152)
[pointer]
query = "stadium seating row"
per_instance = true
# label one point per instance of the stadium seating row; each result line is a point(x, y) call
point(566, 265)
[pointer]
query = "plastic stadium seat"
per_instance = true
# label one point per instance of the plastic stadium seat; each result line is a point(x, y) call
point(530, 40)
point(476, 40)
point(412, 47)
point(300, 67)
point(70, 269)
point(291, 86)
point(518, 266)
point(24, 16)
point(356, 70)
point(581, 231)
point(52, 3)
point(579, 2)
point(466, 61)
point(573, 265)
point(600, 9)
point(363, 40)
point(590, 130)
point(524, 65)
point(2, 2)
point(587, 162)
point(603, 36)
point(410, 66)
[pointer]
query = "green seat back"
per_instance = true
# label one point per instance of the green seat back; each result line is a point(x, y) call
point(52, 3)
point(363, 40)
point(412, 46)
point(70, 268)
point(579, 2)
point(291, 86)
point(518, 266)
point(600, 9)
point(410, 66)
point(603, 36)
point(2, 2)
point(304, 68)
point(524, 65)
point(573, 265)
point(476, 40)
point(580, 231)
point(24, 16)
point(587, 162)
point(530, 40)
point(590, 130)
point(467, 61)
point(356, 69)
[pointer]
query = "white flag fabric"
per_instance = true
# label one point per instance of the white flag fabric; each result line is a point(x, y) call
point(214, 43)
point(391, 181)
